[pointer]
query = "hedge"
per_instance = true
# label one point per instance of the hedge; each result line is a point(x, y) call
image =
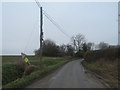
point(110, 54)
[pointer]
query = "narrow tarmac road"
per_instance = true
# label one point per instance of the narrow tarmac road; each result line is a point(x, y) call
point(71, 75)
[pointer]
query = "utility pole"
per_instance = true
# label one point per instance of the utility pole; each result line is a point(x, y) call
point(41, 30)
point(41, 34)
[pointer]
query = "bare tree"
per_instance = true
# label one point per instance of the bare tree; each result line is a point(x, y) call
point(73, 41)
point(78, 41)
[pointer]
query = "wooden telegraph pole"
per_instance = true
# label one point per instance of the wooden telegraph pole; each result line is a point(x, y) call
point(41, 30)
point(41, 34)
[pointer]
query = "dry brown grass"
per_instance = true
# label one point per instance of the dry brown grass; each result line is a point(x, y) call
point(28, 69)
point(108, 69)
point(31, 68)
point(109, 54)
point(21, 64)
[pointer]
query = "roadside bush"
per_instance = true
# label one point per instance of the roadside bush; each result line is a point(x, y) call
point(21, 64)
point(10, 73)
point(110, 54)
point(30, 69)
point(104, 63)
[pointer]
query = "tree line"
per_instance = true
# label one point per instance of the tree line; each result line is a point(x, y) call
point(77, 48)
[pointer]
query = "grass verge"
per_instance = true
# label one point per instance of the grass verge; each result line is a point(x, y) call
point(26, 80)
point(106, 69)
point(11, 72)
point(14, 67)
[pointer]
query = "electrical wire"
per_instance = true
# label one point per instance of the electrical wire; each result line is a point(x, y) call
point(39, 5)
point(52, 20)
point(56, 24)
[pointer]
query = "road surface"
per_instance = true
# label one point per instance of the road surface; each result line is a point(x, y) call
point(71, 75)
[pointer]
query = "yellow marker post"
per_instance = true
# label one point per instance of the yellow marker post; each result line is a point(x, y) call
point(26, 60)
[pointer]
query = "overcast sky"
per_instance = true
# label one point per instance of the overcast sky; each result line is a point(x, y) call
point(20, 21)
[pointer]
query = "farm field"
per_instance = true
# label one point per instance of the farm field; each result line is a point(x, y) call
point(33, 59)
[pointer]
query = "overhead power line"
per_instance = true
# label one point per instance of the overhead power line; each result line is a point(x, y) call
point(52, 20)
point(56, 24)
point(38, 3)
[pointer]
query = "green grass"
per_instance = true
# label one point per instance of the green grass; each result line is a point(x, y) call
point(105, 68)
point(26, 80)
point(11, 72)
point(13, 59)
point(15, 72)
point(34, 60)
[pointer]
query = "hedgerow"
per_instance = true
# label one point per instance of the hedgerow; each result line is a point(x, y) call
point(109, 54)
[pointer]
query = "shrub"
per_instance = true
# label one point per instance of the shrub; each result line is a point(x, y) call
point(110, 54)
point(21, 64)
point(30, 69)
